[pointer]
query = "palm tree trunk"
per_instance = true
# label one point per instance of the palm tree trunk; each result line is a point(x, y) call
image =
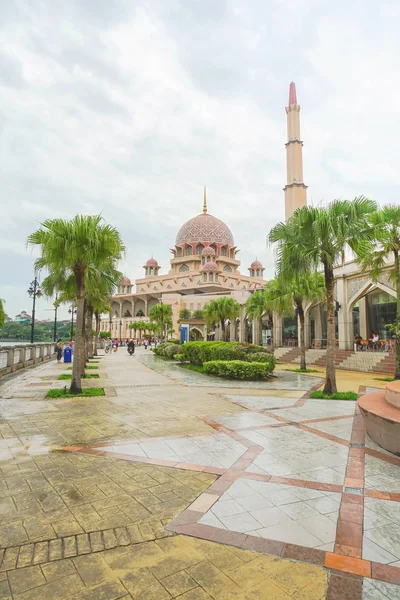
point(89, 330)
point(303, 365)
point(96, 337)
point(397, 267)
point(271, 328)
point(223, 329)
point(330, 375)
point(84, 341)
point(76, 384)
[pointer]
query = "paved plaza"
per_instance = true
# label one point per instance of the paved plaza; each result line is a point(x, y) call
point(178, 485)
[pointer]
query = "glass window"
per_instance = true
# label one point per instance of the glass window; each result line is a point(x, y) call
point(223, 251)
point(211, 277)
point(183, 268)
point(228, 269)
point(189, 251)
point(199, 248)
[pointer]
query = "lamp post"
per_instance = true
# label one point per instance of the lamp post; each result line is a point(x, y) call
point(55, 317)
point(34, 292)
point(110, 321)
point(120, 329)
point(72, 312)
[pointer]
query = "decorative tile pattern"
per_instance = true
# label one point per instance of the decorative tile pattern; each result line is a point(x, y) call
point(217, 450)
point(277, 512)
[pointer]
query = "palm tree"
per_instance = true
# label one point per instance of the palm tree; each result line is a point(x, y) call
point(133, 325)
point(385, 247)
point(141, 327)
point(98, 291)
point(161, 314)
point(99, 308)
point(268, 301)
point(257, 306)
point(76, 248)
point(317, 237)
point(296, 291)
point(221, 310)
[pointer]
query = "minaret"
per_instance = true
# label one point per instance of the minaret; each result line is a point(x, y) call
point(295, 190)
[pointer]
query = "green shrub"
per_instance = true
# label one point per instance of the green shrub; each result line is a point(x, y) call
point(237, 369)
point(167, 350)
point(179, 357)
point(173, 341)
point(262, 357)
point(198, 353)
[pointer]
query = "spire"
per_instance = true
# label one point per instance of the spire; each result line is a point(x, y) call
point(292, 93)
point(205, 201)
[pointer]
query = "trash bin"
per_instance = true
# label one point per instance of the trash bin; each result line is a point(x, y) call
point(67, 354)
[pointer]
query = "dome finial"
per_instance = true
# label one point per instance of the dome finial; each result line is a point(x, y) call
point(205, 201)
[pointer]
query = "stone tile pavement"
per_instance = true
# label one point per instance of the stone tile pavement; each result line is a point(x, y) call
point(167, 488)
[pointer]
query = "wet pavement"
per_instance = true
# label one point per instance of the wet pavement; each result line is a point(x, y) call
point(175, 484)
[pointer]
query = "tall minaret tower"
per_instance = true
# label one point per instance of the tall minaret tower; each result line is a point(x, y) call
point(295, 190)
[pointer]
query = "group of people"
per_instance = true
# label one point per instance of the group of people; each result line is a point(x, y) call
point(373, 341)
point(112, 345)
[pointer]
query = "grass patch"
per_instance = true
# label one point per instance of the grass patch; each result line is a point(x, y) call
point(338, 396)
point(303, 370)
point(65, 376)
point(384, 379)
point(57, 393)
point(197, 368)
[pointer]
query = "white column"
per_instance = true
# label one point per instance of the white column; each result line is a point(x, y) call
point(277, 330)
point(344, 326)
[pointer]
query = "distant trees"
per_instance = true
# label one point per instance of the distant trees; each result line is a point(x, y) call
point(2, 313)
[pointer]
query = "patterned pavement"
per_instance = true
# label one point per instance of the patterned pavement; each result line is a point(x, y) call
point(241, 472)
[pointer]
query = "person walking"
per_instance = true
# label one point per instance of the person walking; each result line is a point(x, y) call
point(59, 347)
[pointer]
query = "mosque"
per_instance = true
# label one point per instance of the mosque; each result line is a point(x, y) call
point(205, 266)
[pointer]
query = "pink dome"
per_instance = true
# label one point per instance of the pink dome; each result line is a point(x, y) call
point(210, 267)
point(256, 265)
point(125, 281)
point(208, 251)
point(152, 262)
point(204, 228)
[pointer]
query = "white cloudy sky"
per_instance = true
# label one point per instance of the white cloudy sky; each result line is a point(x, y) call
point(128, 107)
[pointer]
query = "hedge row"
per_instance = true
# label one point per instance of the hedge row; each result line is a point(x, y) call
point(238, 369)
point(198, 353)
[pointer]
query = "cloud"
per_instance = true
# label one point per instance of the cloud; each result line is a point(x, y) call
point(129, 108)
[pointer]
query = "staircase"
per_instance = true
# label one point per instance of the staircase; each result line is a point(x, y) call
point(376, 362)
point(288, 354)
point(387, 363)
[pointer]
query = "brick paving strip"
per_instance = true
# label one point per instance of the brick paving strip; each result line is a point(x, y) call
point(347, 568)
point(25, 555)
